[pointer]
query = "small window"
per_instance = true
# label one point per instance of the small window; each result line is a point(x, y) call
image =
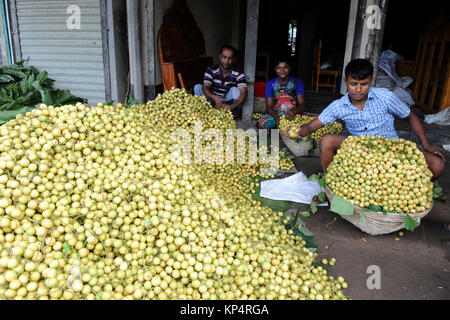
point(292, 39)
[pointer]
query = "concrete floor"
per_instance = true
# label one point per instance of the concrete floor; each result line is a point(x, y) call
point(414, 266)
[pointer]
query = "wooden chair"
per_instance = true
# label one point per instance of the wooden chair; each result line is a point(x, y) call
point(181, 48)
point(316, 81)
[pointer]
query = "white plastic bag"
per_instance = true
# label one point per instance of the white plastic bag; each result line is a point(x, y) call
point(296, 188)
point(442, 117)
point(387, 63)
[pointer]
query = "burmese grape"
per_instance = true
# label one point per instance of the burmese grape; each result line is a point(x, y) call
point(332, 128)
point(384, 172)
point(94, 205)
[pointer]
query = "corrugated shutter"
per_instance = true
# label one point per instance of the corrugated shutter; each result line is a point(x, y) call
point(74, 58)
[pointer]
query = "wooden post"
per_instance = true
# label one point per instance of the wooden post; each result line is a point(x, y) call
point(135, 49)
point(251, 39)
point(15, 38)
point(4, 37)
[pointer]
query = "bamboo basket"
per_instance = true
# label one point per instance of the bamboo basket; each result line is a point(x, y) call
point(301, 148)
point(376, 222)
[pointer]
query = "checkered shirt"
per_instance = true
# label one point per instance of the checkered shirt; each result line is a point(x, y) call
point(377, 117)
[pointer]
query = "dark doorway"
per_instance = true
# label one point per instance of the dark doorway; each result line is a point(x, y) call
point(404, 22)
point(291, 28)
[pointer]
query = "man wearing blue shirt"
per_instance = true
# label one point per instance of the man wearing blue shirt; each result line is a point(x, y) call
point(368, 111)
point(284, 96)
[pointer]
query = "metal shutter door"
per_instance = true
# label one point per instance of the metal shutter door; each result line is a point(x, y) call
point(73, 58)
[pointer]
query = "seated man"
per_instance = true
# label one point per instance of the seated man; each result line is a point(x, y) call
point(284, 96)
point(224, 86)
point(368, 111)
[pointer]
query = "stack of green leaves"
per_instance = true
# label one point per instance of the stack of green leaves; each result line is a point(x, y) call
point(23, 87)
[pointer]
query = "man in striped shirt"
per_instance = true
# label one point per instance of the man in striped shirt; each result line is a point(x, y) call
point(368, 111)
point(223, 85)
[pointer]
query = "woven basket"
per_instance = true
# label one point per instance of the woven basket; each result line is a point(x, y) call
point(376, 222)
point(301, 148)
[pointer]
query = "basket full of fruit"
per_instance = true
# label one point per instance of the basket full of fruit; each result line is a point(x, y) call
point(309, 145)
point(380, 185)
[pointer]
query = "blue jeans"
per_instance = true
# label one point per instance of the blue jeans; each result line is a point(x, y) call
point(230, 98)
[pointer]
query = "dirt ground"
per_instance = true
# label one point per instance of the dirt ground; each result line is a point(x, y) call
point(415, 266)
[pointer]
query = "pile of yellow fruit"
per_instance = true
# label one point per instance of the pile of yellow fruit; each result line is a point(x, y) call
point(389, 173)
point(94, 205)
point(332, 128)
point(257, 115)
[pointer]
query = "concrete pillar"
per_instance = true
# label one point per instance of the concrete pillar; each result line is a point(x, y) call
point(117, 49)
point(367, 19)
point(134, 43)
point(151, 49)
point(251, 39)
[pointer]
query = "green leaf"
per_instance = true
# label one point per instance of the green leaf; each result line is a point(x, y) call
point(321, 196)
point(341, 206)
point(6, 78)
point(49, 97)
point(67, 248)
point(131, 101)
point(17, 73)
point(305, 213)
point(6, 116)
point(314, 177)
point(42, 76)
point(64, 97)
point(437, 192)
point(373, 208)
point(4, 98)
point(318, 264)
point(302, 231)
point(410, 223)
point(322, 182)
point(313, 208)
point(362, 217)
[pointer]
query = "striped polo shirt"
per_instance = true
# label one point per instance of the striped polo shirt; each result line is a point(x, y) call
point(220, 85)
point(376, 118)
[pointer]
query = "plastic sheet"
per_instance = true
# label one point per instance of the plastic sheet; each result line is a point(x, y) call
point(296, 188)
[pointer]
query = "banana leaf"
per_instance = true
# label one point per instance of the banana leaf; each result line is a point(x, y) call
point(6, 78)
point(22, 85)
point(30, 99)
point(4, 98)
point(17, 73)
point(64, 97)
point(6, 116)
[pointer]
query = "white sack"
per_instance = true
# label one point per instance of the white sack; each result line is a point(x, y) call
point(296, 188)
